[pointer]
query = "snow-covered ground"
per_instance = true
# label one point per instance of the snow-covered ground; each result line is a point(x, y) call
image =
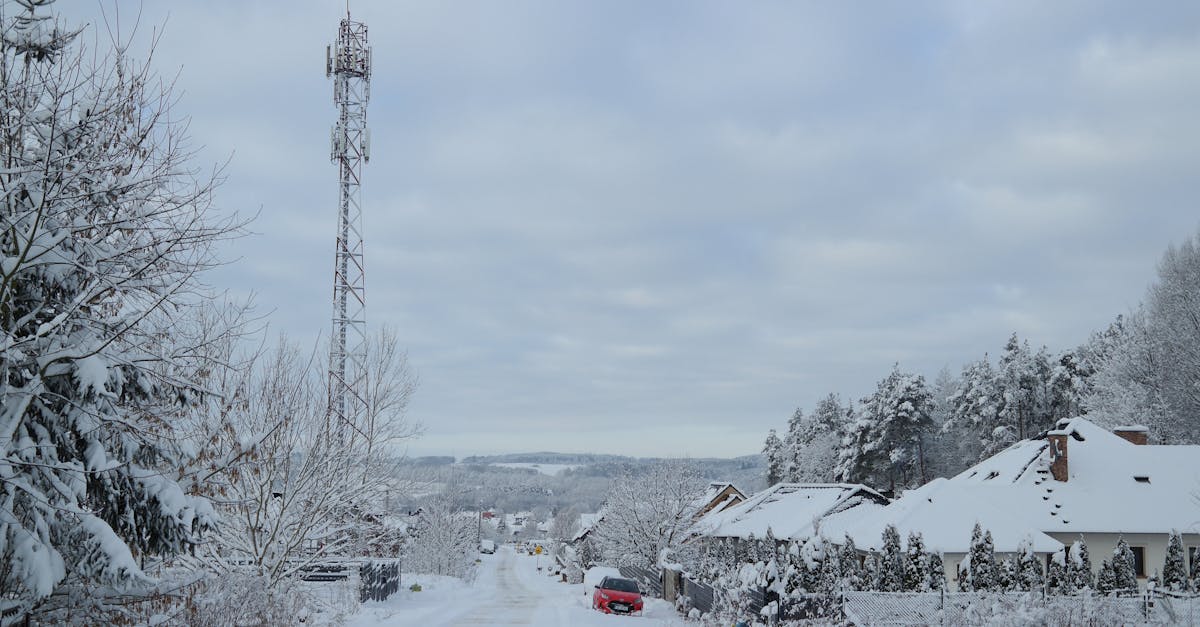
point(545, 469)
point(509, 590)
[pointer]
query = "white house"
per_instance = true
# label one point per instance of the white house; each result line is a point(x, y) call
point(1076, 481)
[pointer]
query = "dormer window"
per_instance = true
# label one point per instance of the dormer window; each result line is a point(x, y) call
point(1141, 478)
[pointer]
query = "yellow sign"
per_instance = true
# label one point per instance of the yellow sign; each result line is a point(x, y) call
point(538, 550)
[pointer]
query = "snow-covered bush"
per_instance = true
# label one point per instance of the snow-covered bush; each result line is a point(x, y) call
point(243, 598)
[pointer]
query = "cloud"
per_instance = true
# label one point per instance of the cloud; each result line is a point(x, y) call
point(679, 220)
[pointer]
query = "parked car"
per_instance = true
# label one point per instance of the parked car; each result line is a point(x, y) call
point(487, 546)
point(615, 595)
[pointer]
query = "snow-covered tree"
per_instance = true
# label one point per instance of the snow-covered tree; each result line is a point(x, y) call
point(980, 573)
point(812, 563)
point(890, 575)
point(444, 542)
point(1080, 567)
point(942, 450)
point(649, 514)
point(1029, 576)
point(936, 567)
point(106, 228)
point(1124, 566)
point(1007, 574)
point(565, 525)
point(776, 461)
point(974, 417)
point(853, 575)
point(884, 445)
point(1106, 580)
point(306, 492)
point(916, 571)
point(811, 444)
point(1149, 375)
point(1019, 380)
point(1058, 576)
point(1174, 572)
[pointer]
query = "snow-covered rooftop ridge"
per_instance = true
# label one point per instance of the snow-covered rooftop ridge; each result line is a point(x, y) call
point(788, 510)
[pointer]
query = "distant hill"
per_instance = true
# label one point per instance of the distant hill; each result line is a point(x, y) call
point(747, 471)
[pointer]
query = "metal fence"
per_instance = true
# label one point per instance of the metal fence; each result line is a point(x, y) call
point(958, 608)
point(650, 580)
point(974, 608)
point(378, 580)
point(696, 595)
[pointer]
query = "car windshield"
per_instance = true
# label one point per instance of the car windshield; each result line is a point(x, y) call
point(620, 585)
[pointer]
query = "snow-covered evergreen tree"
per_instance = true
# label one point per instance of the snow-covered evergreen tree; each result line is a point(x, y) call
point(853, 575)
point(1106, 580)
point(916, 570)
point(1030, 576)
point(891, 562)
point(105, 230)
point(975, 413)
point(1007, 574)
point(1081, 566)
point(1058, 579)
point(1174, 572)
point(936, 569)
point(831, 568)
point(1019, 382)
point(1124, 567)
point(776, 462)
point(793, 442)
point(884, 445)
point(982, 560)
point(810, 448)
point(812, 556)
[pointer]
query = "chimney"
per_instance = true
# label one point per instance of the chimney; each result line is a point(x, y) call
point(1135, 434)
point(1058, 455)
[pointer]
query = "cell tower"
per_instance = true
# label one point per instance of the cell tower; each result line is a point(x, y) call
point(348, 62)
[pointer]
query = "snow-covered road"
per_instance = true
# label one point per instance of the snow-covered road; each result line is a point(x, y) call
point(509, 590)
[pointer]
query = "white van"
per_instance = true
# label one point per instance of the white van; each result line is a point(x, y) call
point(487, 546)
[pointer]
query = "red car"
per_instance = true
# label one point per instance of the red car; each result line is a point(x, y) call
point(617, 596)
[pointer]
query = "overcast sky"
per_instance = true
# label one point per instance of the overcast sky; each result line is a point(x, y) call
point(657, 228)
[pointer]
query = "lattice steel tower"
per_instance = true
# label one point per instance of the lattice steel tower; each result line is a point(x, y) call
point(348, 62)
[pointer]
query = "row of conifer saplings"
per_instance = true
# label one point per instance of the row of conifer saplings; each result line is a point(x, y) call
point(818, 566)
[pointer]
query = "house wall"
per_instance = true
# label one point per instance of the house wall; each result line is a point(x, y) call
point(1101, 546)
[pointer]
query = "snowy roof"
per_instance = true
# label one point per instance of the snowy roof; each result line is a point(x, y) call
point(791, 511)
point(1113, 485)
point(586, 522)
point(717, 496)
point(945, 513)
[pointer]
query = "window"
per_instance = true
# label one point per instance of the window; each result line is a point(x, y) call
point(1193, 558)
point(1139, 560)
point(1141, 479)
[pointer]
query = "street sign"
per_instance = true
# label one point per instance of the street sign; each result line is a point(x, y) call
point(538, 550)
